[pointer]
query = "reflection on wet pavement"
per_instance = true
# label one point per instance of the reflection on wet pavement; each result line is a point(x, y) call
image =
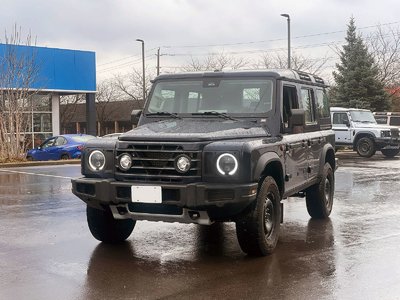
point(47, 252)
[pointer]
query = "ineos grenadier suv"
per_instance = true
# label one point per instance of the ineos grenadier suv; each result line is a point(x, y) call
point(215, 147)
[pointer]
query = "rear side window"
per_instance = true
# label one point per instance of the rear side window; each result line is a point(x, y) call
point(395, 120)
point(322, 104)
point(308, 104)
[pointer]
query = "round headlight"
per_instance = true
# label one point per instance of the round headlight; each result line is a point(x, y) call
point(125, 161)
point(227, 164)
point(97, 160)
point(182, 163)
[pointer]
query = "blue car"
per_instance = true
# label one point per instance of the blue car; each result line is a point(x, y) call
point(60, 147)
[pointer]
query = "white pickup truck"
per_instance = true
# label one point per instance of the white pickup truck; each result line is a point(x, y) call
point(358, 129)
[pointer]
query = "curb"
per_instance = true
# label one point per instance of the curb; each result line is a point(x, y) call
point(40, 163)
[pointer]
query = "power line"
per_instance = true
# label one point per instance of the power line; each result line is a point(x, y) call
point(273, 40)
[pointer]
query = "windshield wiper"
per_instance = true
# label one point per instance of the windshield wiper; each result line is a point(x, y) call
point(164, 113)
point(215, 113)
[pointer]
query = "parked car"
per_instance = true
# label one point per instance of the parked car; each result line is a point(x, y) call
point(388, 118)
point(357, 128)
point(65, 146)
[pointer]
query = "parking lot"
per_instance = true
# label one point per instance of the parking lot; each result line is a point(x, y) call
point(47, 252)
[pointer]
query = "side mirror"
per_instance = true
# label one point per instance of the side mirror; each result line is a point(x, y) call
point(298, 117)
point(135, 116)
point(39, 148)
point(347, 123)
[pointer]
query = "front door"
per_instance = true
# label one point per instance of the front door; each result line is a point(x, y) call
point(341, 126)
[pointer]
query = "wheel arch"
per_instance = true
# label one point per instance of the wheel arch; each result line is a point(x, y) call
point(269, 164)
point(362, 134)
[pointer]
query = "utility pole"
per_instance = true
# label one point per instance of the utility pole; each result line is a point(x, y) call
point(158, 61)
point(288, 30)
point(144, 74)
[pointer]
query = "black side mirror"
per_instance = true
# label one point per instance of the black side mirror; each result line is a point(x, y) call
point(135, 116)
point(298, 117)
point(347, 123)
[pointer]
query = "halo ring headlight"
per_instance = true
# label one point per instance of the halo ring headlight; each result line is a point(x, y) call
point(97, 160)
point(227, 164)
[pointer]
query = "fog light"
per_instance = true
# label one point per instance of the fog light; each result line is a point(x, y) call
point(125, 162)
point(182, 163)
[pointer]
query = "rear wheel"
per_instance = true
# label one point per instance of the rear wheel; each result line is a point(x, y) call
point(258, 230)
point(319, 197)
point(105, 228)
point(365, 147)
point(390, 152)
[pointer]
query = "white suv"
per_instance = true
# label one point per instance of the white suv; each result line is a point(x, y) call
point(358, 128)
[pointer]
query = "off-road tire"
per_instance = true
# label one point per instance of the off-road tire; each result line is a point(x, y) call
point(390, 152)
point(105, 228)
point(365, 147)
point(257, 229)
point(319, 197)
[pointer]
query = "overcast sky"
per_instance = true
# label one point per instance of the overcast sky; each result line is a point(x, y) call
point(191, 27)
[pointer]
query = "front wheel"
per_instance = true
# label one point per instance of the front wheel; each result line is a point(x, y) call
point(319, 197)
point(258, 229)
point(365, 147)
point(105, 228)
point(390, 152)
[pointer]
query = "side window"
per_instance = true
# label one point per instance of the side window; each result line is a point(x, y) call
point(308, 105)
point(49, 143)
point(340, 119)
point(289, 101)
point(395, 120)
point(382, 119)
point(60, 141)
point(322, 104)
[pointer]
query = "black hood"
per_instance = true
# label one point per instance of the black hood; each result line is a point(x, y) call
point(194, 130)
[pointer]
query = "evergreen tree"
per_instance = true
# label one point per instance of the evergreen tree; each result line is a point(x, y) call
point(357, 83)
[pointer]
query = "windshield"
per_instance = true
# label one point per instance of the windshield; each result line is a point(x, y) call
point(362, 116)
point(229, 96)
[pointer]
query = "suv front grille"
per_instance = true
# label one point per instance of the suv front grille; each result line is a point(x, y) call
point(156, 163)
point(394, 132)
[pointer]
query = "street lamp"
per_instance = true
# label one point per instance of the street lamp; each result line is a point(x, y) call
point(144, 74)
point(288, 30)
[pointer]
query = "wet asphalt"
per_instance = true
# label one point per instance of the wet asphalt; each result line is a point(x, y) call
point(47, 251)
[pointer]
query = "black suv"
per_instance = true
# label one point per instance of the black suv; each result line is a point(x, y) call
point(215, 147)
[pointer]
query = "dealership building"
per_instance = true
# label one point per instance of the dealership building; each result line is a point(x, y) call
point(58, 72)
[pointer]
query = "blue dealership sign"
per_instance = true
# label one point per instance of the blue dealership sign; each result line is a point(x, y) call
point(59, 70)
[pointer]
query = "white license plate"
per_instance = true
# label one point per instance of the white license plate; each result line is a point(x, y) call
point(146, 194)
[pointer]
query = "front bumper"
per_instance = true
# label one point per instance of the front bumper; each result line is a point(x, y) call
point(387, 143)
point(219, 201)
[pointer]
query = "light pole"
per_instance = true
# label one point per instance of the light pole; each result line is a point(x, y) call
point(288, 32)
point(144, 73)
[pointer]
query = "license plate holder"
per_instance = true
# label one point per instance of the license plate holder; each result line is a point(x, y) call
point(146, 194)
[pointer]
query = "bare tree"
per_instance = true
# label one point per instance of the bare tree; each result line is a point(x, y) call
point(107, 93)
point(131, 85)
point(218, 61)
point(69, 108)
point(385, 48)
point(18, 74)
point(298, 62)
